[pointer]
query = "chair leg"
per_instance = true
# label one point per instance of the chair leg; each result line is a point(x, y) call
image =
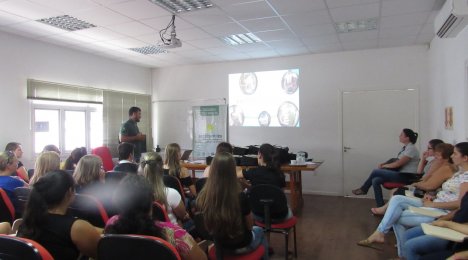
point(295, 246)
point(286, 242)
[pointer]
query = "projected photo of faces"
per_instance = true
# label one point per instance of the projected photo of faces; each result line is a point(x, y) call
point(264, 98)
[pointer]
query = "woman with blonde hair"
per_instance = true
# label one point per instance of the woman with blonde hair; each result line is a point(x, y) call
point(172, 167)
point(8, 164)
point(89, 170)
point(226, 209)
point(45, 162)
point(152, 166)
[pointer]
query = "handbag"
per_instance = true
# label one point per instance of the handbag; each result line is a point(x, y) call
point(392, 160)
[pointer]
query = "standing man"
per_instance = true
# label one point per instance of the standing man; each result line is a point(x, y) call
point(130, 133)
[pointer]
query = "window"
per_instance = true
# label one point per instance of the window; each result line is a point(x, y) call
point(67, 125)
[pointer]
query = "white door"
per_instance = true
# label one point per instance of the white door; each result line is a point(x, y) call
point(372, 122)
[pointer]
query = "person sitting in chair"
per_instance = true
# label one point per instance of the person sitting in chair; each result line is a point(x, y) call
point(126, 155)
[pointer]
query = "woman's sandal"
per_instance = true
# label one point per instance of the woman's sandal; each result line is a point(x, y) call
point(358, 192)
point(370, 244)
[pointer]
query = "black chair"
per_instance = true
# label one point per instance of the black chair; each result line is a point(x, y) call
point(123, 247)
point(269, 202)
point(30, 173)
point(173, 182)
point(15, 248)
point(199, 184)
point(114, 177)
point(7, 210)
point(88, 208)
point(22, 196)
point(160, 213)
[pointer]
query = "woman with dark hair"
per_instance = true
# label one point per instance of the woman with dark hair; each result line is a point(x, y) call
point(134, 198)
point(448, 198)
point(227, 148)
point(268, 170)
point(46, 222)
point(172, 167)
point(406, 161)
point(226, 210)
point(74, 158)
point(443, 171)
point(152, 166)
point(20, 171)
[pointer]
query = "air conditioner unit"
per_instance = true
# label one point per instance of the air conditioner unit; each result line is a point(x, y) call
point(452, 18)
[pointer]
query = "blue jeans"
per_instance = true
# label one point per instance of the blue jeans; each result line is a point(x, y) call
point(398, 217)
point(377, 178)
point(258, 238)
point(418, 244)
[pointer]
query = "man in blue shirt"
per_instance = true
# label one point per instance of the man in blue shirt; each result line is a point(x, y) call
point(130, 133)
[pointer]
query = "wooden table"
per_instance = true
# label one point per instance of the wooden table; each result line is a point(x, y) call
point(294, 185)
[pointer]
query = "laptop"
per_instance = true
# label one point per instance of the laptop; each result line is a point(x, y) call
point(185, 156)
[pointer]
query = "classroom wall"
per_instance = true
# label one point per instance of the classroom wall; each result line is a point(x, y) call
point(323, 78)
point(448, 86)
point(23, 58)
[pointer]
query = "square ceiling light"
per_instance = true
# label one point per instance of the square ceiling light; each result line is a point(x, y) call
point(148, 50)
point(242, 38)
point(66, 22)
point(357, 25)
point(180, 6)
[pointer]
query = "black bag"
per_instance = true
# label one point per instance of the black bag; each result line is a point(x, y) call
point(392, 160)
point(248, 161)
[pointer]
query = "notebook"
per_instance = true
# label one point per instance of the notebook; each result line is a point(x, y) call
point(185, 156)
point(426, 212)
point(445, 233)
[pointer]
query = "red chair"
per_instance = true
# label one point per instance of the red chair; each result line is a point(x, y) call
point(88, 208)
point(268, 201)
point(7, 210)
point(392, 185)
point(160, 213)
point(141, 247)
point(106, 157)
point(22, 248)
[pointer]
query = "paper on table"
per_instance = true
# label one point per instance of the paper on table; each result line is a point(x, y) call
point(442, 232)
point(426, 212)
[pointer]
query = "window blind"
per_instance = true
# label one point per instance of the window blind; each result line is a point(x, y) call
point(43, 90)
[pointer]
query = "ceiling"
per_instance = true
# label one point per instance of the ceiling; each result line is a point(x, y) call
point(286, 27)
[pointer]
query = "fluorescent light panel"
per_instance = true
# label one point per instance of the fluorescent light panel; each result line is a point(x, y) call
point(180, 6)
point(243, 38)
point(357, 25)
point(147, 50)
point(66, 22)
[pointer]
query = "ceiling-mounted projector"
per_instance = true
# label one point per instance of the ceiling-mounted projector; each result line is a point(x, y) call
point(169, 41)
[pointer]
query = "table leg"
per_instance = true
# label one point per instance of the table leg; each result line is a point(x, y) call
point(292, 189)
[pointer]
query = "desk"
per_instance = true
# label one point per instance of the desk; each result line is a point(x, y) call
point(294, 185)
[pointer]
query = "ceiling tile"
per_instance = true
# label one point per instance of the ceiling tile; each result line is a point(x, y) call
point(262, 54)
point(359, 45)
point(314, 30)
point(404, 20)
point(207, 43)
point(127, 43)
point(359, 36)
point(341, 3)
point(100, 34)
point(205, 17)
point(263, 24)
point(139, 9)
point(36, 29)
point(67, 5)
point(355, 12)
point(221, 30)
point(249, 10)
point(292, 51)
point(289, 43)
point(400, 31)
point(70, 38)
point(297, 6)
point(185, 47)
point(260, 46)
point(162, 22)
point(321, 40)
point(396, 7)
point(101, 16)
point(192, 34)
point(131, 28)
point(326, 48)
point(396, 41)
point(312, 18)
point(27, 9)
point(234, 56)
point(275, 35)
point(6, 18)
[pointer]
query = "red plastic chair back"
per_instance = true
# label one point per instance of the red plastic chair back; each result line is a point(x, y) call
point(88, 208)
point(160, 213)
point(22, 248)
point(7, 210)
point(392, 185)
point(106, 157)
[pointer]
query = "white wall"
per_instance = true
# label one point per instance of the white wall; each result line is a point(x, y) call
point(23, 58)
point(323, 77)
point(448, 86)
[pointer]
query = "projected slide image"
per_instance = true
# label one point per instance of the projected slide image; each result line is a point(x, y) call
point(264, 98)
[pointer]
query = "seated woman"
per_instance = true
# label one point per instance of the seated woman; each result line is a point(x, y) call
point(443, 172)
point(268, 170)
point(73, 159)
point(226, 210)
point(172, 167)
point(134, 198)
point(448, 198)
point(46, 222)
point(8, 164)
point(51, 148)
point(418, 244)
point(407, 161)
point(45, 162)
point(224, 147)
point(20, 171)
point(152, 166)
